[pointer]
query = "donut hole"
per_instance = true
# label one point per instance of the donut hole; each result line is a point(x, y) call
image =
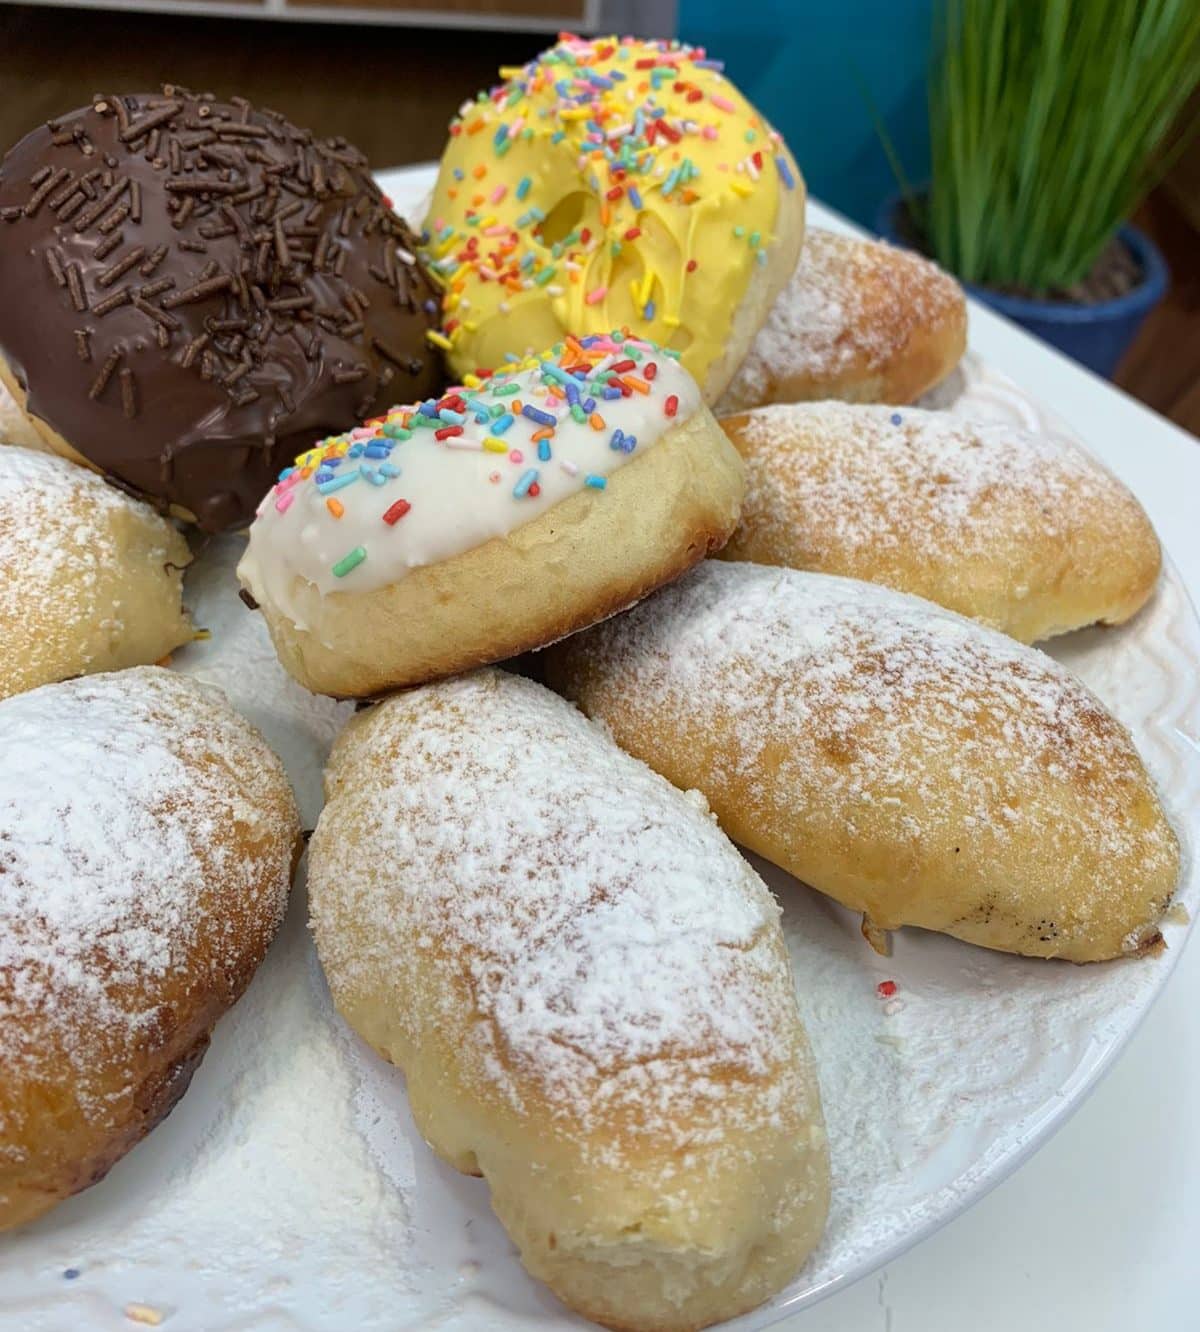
point(565, 217)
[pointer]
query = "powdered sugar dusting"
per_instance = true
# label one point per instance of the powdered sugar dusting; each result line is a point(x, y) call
point(850, 302)
point(619, 949)
point(881, 700)
point(839, 483)
point(56, 532)
point(103, 886)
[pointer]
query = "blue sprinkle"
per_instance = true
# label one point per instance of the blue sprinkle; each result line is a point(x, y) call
point(629, 443)
point(610, 393)
point(596, 482)
point(371, 475)
point(71, 1273)
point(354, 451)
point(784, 170)
point(481, 417)
point(535, 414)
point(287, 471)
point(544, 450)
point(429, 408)
point(451, 417)
point(617, 436)
point(390, 470)
point(718, 65)
point(458, 173)
point(521, 489)
point(500, 135)
point(557, 137)
point(323, 476)
point(503, 423)
point(572, 392)
point(588, 405)
point(648, 311)
point(523, 188)
point(338, 482)
point(616, 74)
point(376, 451)
point(896, 418)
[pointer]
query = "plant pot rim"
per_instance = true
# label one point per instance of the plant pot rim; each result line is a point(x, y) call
point(1147, 292)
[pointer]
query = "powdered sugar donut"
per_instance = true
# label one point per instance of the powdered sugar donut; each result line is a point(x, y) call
point(612, 183)
point(858, 320)
point(147, 844)
point(910, 763)
point(588, 991)
point(90, 579)
point(1028, 534)
point(513, 510)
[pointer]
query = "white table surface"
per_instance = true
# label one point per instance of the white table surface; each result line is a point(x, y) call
point(1098, 1231)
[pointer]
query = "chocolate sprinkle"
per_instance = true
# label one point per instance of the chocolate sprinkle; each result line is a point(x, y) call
point(278, 309)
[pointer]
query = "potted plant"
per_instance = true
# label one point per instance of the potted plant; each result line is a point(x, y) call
point(1049, 120)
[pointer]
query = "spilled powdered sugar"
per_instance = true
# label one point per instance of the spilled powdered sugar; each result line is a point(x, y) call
point(617, 946)
point(102, 881)
point(849, 301)
point(835, 481)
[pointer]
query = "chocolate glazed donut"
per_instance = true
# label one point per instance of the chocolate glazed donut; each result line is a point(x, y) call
point(192, 292)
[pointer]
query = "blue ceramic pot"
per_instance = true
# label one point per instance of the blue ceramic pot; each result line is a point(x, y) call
point(1095, 335)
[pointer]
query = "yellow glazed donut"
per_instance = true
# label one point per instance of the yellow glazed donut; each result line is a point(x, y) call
point(610, 183)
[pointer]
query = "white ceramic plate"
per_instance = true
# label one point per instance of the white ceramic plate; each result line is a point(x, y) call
point(289, 1190)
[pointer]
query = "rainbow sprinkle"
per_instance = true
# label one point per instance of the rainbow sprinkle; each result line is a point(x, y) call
point(564, 384)
point(630, 108)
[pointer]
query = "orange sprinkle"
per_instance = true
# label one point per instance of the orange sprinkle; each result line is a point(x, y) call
point(480, 171)
point(475, 126)
point(335, 506)
point(544, 433)
point(635, 383)
point(596, 421)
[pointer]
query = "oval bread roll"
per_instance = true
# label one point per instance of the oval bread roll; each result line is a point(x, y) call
point(147, 840)
point(90, 579)
point(915, 766)
point(859, 320)
point(1029, 535)
point(588, 991)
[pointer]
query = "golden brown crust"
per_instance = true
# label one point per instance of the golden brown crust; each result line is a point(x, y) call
point(860, 321)
point(918, 768)
point(90, 579)
point(1026, 534)
point(586, 558)
point(498, 898)
point(109, 1009)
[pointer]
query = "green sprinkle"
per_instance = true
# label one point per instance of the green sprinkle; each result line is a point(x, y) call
point(349, 562)
point(755, 239)
point(750, 136)
point(397, 432)
point(545, 275)
point(507, 391)
point(615, 248)
point(577, 413)
point(739, 232)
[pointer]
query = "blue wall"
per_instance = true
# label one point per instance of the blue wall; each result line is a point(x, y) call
point(803, 64)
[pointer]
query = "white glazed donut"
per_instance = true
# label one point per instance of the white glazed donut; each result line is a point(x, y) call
point(510, 512)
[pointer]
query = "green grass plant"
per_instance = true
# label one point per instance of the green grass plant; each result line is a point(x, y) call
point(1049, 121)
